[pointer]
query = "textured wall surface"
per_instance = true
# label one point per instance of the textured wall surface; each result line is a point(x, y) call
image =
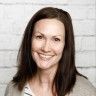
point(14, 16)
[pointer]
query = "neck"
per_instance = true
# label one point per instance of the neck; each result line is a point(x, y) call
point(45, 77)
point(43, 80)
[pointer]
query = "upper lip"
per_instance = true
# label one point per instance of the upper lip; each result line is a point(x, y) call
point(45, 54)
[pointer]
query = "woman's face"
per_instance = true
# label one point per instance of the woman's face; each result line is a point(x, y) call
point(48, 41)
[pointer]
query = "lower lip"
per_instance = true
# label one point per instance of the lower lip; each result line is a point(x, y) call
point(45, 58)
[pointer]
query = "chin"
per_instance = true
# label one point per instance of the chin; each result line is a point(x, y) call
point(44, 66)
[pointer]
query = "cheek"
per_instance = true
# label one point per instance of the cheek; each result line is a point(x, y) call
point(35, 45)
point(59, 49)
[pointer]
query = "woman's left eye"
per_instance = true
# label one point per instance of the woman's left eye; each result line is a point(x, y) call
point(56, 39)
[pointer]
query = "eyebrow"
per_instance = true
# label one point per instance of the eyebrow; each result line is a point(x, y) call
point(44, 34)
point(38, 32)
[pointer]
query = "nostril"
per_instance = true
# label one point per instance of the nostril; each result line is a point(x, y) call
point(46, 47)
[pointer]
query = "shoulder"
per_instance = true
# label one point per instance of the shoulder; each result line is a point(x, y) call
point(12, 90)
point(83, 87)
point(9, 89)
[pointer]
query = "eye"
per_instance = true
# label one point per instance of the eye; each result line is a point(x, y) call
point(39, 37)
point(56, 39)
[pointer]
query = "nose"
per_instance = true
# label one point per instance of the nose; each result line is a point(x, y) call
point(46, 46)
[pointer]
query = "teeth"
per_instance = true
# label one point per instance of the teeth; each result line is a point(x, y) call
point(45, 56)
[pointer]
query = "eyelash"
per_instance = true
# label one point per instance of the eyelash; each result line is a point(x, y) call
point(40, 37)
point(56, 39)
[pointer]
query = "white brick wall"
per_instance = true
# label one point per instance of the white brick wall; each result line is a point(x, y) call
point(14, 16)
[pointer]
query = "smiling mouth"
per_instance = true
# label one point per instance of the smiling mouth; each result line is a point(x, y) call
point(45, 57)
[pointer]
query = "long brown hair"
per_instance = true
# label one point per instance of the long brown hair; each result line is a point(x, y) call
point(65, 77)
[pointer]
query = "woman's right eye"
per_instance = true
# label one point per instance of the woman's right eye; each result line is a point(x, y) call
point(39, 37)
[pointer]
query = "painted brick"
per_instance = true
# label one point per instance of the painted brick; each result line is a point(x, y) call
point(84, 27)
point(81, 2)
point(49, 1)
point(91, 12)
point(86, 59)
point(89, 43)
point(10, 42)
point(13, 17)
point(80, 12)
point(8, 58)
point(16, 18)
point(7, 74)
point(78, 43)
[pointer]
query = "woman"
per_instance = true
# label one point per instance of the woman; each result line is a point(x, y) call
point(47, 59)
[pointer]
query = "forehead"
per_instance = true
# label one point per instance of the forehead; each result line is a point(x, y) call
point(49, 26)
